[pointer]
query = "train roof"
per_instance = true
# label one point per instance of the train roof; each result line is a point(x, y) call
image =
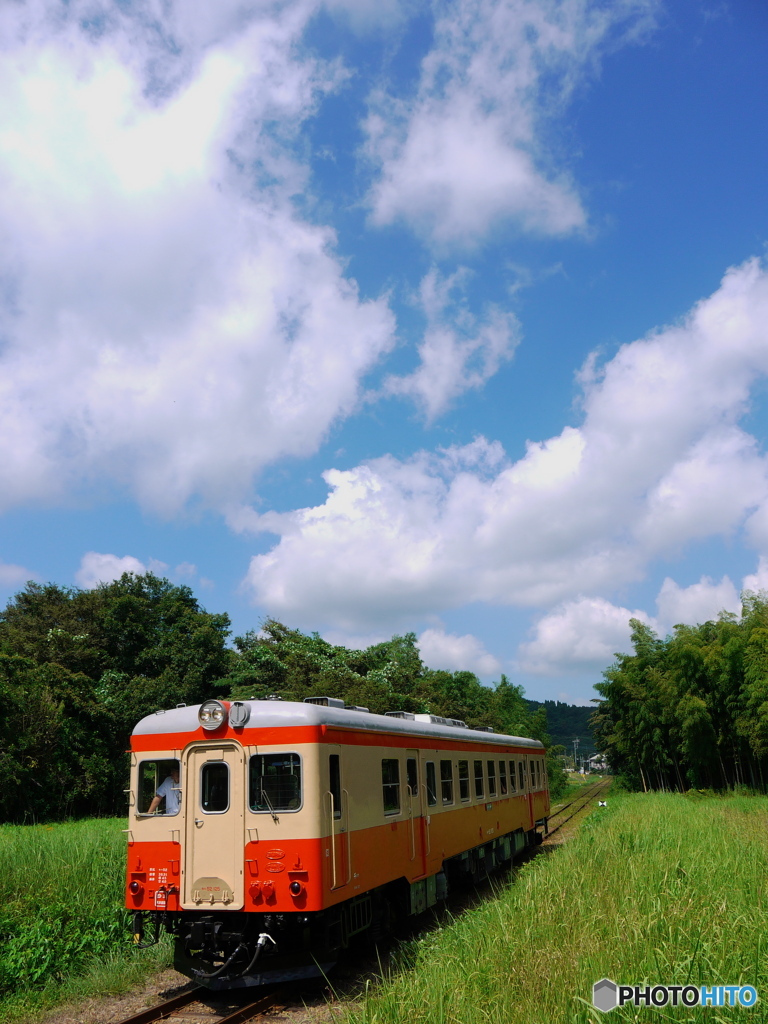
point(276, 714)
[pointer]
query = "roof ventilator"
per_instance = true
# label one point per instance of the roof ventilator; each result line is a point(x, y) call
point(325, 702)
point(483, 728)
point(455, 723)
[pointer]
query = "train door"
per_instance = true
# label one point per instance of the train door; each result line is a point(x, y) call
point(214, 797)
point(530, 785)
point(414, 796)
point(337, 818)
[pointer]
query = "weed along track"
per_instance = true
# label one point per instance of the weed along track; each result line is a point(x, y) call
point(199, 1007)
point(575, 806)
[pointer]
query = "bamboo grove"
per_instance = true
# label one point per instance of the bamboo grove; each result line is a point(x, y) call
point(690, 710)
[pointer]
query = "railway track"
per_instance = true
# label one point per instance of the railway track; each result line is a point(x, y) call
point(579, 802)
point(189, 1007)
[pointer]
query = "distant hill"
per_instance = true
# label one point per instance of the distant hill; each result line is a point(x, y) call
point(566, 722)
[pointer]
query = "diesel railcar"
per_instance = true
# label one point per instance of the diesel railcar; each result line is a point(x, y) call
point(266, 835)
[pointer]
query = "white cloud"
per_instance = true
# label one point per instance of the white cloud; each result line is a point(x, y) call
point(14, 575)
point(96, 568)
point(456, 653)
point(353, 641)
point(468, 149)
point(685, 505)
point(697, 603)
point(170, 323)
point(585, 634)
point(185, 570)
point(578, 636)
point(659, 457)
point(459, 351)
point(758, 580)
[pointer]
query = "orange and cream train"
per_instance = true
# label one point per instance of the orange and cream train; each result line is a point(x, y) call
point(283, 829)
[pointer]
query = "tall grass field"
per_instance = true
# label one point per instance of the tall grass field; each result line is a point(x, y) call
point(63, 929)
point(654, 889)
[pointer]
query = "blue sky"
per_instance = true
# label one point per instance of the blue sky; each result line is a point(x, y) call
point(380, 317)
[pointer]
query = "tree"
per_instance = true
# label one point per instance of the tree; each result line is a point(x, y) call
point(77, 670)
point(691, 709)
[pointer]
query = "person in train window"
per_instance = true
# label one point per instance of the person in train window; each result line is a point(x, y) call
point(168, 788)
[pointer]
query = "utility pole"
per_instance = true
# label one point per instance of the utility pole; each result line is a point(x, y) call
point(576, 752)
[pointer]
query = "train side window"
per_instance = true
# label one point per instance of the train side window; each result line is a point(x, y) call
point(446, 781)
point(491, 778)
point(334, 772)
point(274, 782)
point(214, 787)
point(431, 784)
point(503, 777)
point(412, 776)
point(390, 784)
point(479, 779)
point(155, 779)
point(512, 777)
point(464, 780)
point(538, 773)
point(521, 766)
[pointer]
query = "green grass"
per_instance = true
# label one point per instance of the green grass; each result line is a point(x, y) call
point(654, 889)
point(63, 928)
point(573, 787)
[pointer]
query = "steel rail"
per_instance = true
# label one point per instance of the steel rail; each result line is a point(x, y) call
point(162, 1010)
point(591, 789)
point(589, 797)
point(166, 1010)
point(246, 1013)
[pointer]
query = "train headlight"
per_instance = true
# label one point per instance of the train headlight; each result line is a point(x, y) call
point(212, 714)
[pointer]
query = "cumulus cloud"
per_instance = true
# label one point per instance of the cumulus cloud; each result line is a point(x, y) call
point(456, 653)
point(658, 457)
point(168, 321)
point(697, 603)
point(468, 149)
point(459, 350)
point(97, 567)
point(14, 575)
point(758, 580)
point(585, 634)
point(578, 636)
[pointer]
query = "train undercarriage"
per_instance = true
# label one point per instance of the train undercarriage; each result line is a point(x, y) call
point(243, 949)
